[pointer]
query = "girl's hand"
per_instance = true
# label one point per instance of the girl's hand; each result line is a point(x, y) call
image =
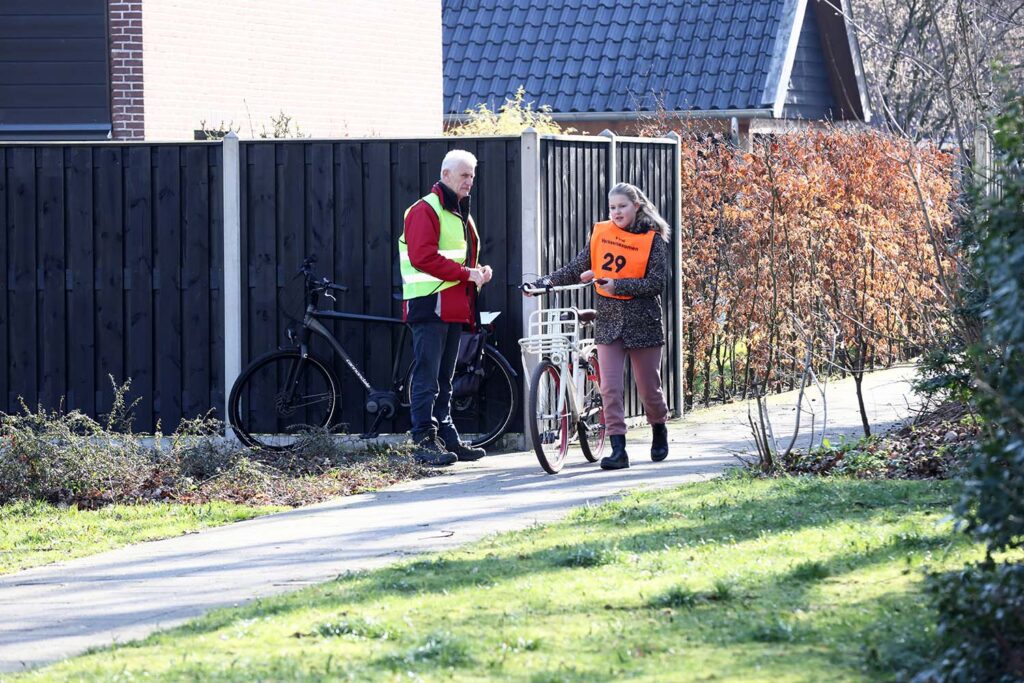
point(586, 276)
point(536, 284)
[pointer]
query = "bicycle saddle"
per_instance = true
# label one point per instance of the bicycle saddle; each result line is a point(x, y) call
point(586, 315)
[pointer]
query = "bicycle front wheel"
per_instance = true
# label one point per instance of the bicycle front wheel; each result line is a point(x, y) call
point(591, 426)
point(546, 422)
point(280, 396)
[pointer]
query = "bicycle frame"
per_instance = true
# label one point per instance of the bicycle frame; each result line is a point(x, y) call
point(554, 334)
point(311, 323)
point(381, 403)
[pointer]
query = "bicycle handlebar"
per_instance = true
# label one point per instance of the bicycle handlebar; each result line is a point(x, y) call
point(313, 282)
point(528, 288)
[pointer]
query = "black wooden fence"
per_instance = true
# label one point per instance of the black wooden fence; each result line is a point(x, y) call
point(112, 253)
point(345, 201)
point(110, 264)
point(576, 176)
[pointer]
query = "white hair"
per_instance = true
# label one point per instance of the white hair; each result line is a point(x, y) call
point(456, 157)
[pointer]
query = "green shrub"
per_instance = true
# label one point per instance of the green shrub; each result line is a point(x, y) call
point(863, 458)
point(981, 623)
point(355, 627)
point(68, 458)
point(994, 496)
point(981, 609)
point(197, 453)
point(512, 118)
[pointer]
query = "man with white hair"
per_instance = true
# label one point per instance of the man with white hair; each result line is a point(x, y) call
point(439, 253)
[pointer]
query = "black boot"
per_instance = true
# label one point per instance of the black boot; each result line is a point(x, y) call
point(464, 451)
point(430, 452)
point(618, 460)
point(659, 444)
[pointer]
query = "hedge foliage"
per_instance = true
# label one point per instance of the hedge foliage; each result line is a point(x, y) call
point(981, 609)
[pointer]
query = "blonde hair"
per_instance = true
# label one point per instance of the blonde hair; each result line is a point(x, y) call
point(646, 215)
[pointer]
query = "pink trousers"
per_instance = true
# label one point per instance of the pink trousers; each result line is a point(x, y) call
point(646, 365)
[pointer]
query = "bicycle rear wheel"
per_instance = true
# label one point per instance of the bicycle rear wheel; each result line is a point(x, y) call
point(280, 396)
point(547, 424)
point(591, 427)
point(483, 416)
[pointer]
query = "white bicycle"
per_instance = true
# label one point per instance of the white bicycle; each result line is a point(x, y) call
point(564, 402)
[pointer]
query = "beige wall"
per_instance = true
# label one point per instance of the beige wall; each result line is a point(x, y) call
point(337, 67)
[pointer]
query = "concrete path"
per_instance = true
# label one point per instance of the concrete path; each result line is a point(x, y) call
point(52, 612)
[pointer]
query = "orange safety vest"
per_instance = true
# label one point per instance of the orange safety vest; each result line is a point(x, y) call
point(616, 253)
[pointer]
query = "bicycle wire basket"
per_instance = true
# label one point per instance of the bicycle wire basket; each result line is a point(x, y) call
point(551, 331)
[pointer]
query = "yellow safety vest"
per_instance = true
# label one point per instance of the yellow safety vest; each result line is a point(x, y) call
point(451, 244)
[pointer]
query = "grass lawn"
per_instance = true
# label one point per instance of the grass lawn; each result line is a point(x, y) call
point(736, 579)
point(32, 534)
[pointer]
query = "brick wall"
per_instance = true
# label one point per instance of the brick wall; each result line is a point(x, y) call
point(338, 68)
point(126, 84)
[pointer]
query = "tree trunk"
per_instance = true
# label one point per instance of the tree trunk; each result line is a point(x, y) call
point(707, 380)
point(858, 380)
point(690, 371)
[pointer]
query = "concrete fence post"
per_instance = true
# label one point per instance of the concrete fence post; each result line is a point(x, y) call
point(678, 326)
point(232, 269)
point(613, 154)
point(533, 266)
point(983, 161)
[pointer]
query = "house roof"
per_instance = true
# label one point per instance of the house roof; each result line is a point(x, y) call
point(604, 56)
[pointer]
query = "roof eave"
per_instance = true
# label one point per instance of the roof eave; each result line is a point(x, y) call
point(858, 62)
point(780, 68)
point(584, 116)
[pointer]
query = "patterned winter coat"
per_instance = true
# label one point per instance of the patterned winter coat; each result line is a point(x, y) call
point(637, 321)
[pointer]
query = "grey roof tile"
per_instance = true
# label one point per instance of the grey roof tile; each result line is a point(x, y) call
point(608, 55)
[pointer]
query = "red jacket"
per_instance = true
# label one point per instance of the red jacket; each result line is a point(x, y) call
point(422, 230)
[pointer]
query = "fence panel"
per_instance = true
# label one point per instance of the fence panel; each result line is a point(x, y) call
point(345, 201)
point(107, 253)
point(651, 166)
point(576, 175)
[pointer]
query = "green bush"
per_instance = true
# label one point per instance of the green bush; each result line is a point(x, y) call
point(68, 458)
point(981, 623)
point(863, 458)
point(197, 453)
point(981, 609)
point(994, 496)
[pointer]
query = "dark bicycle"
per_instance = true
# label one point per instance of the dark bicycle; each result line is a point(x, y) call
point(287, 392)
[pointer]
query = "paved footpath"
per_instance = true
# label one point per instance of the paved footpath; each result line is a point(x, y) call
point(59, 610)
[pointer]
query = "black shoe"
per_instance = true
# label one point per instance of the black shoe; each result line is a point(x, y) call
point(618, 460)
point(464, 451)
point(659, 444)
point(430, 452)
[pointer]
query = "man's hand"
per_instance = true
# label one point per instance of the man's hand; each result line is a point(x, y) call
point(586, 276)
point(607, 285)
point(477, 277)
point(488, 273)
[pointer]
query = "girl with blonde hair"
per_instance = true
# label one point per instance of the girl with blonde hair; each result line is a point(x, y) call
point(626, 258)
